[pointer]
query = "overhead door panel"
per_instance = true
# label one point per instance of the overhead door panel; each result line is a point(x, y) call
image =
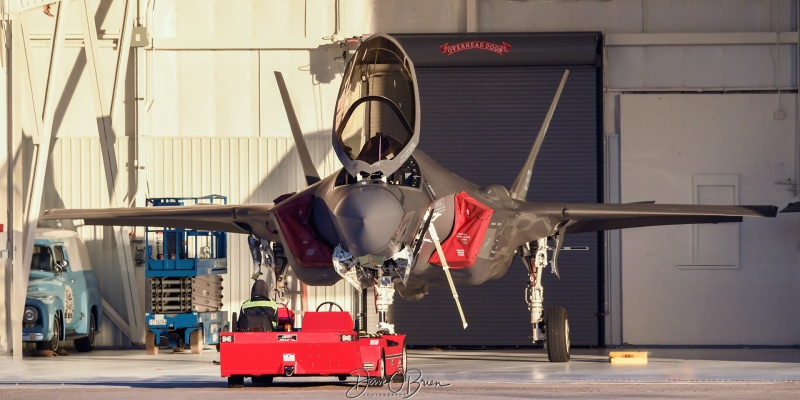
point(481, 122)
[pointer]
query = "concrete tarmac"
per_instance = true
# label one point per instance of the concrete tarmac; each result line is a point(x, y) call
point(761, 373)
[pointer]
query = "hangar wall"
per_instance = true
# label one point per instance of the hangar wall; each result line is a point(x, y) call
point(726, 284)
point(206, 75)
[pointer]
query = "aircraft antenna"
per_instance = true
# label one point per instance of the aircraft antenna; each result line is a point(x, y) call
point(312, 176)
point(519, 190)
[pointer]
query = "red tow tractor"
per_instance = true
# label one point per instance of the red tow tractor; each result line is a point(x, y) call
point(326, 345)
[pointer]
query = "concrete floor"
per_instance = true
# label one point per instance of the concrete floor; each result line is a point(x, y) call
point(457, 374)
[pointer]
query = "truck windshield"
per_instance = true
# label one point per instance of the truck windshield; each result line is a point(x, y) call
point(42, 258)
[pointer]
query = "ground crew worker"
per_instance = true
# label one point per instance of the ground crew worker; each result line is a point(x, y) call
point(259, 313)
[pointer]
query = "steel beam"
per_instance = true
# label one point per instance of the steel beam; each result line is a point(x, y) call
point(107, 141)
point(21, 88)
point(39, 170)
point(123, 51)
point(15, 200)
point(28, 83)
point(116, 318)
point(141, 95)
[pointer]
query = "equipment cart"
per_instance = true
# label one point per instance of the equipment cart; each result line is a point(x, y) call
point(326, 345)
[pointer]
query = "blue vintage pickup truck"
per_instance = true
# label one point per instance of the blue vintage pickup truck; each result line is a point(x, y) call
point(63, 300)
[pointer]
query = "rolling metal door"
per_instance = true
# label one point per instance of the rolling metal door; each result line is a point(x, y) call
point(481, 123)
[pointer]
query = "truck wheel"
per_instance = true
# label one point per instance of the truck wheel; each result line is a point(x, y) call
point(263, 380)
point(405, 360)
point(399, 374)
point(150, 343)
point(196, 341)
point(383, 367)
point(52, 345)
point(87, 343)
point(557, 335)
point(235, 381)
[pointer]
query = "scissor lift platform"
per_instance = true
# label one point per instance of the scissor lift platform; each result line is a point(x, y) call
point(184, 270)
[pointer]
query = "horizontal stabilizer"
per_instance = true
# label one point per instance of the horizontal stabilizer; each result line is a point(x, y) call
point(792, 207)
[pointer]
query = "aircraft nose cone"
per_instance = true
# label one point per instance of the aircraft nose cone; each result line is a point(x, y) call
point(368, 217)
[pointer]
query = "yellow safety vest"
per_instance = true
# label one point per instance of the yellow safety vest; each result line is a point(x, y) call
point(262, 303)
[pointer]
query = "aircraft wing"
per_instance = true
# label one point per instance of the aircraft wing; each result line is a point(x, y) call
point(575, 218)
point(213, 217)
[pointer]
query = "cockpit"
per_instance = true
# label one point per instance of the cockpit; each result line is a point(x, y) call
point(377, 112)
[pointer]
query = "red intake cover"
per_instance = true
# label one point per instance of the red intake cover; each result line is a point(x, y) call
point(461, 248)
point(294, 218)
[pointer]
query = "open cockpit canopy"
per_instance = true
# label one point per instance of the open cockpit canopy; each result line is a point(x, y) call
point(376, 125)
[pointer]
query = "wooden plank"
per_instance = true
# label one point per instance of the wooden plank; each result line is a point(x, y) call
point(628, 357)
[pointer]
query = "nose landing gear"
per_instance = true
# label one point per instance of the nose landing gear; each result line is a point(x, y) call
point(380, 276)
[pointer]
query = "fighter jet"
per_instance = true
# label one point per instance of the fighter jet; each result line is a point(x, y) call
point(395, 219)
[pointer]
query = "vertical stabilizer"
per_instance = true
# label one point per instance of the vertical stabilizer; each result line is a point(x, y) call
point(312, 176)
point(519, 190)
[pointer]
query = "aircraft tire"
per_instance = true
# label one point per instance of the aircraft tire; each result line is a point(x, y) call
point(557, 335)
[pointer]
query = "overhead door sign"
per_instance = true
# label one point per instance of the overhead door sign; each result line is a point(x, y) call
point(451, 49)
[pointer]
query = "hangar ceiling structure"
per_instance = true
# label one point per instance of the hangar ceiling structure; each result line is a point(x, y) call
point(197, 97)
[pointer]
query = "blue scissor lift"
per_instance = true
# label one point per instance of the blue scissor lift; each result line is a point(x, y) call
point(184, 293)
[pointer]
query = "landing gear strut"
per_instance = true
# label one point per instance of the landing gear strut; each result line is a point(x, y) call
point(379, 275)
point(270, 255)
point(553, 330)
point(384, 291)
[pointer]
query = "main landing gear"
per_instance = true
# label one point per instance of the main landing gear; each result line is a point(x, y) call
point(552, 330)
point(271, 256)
